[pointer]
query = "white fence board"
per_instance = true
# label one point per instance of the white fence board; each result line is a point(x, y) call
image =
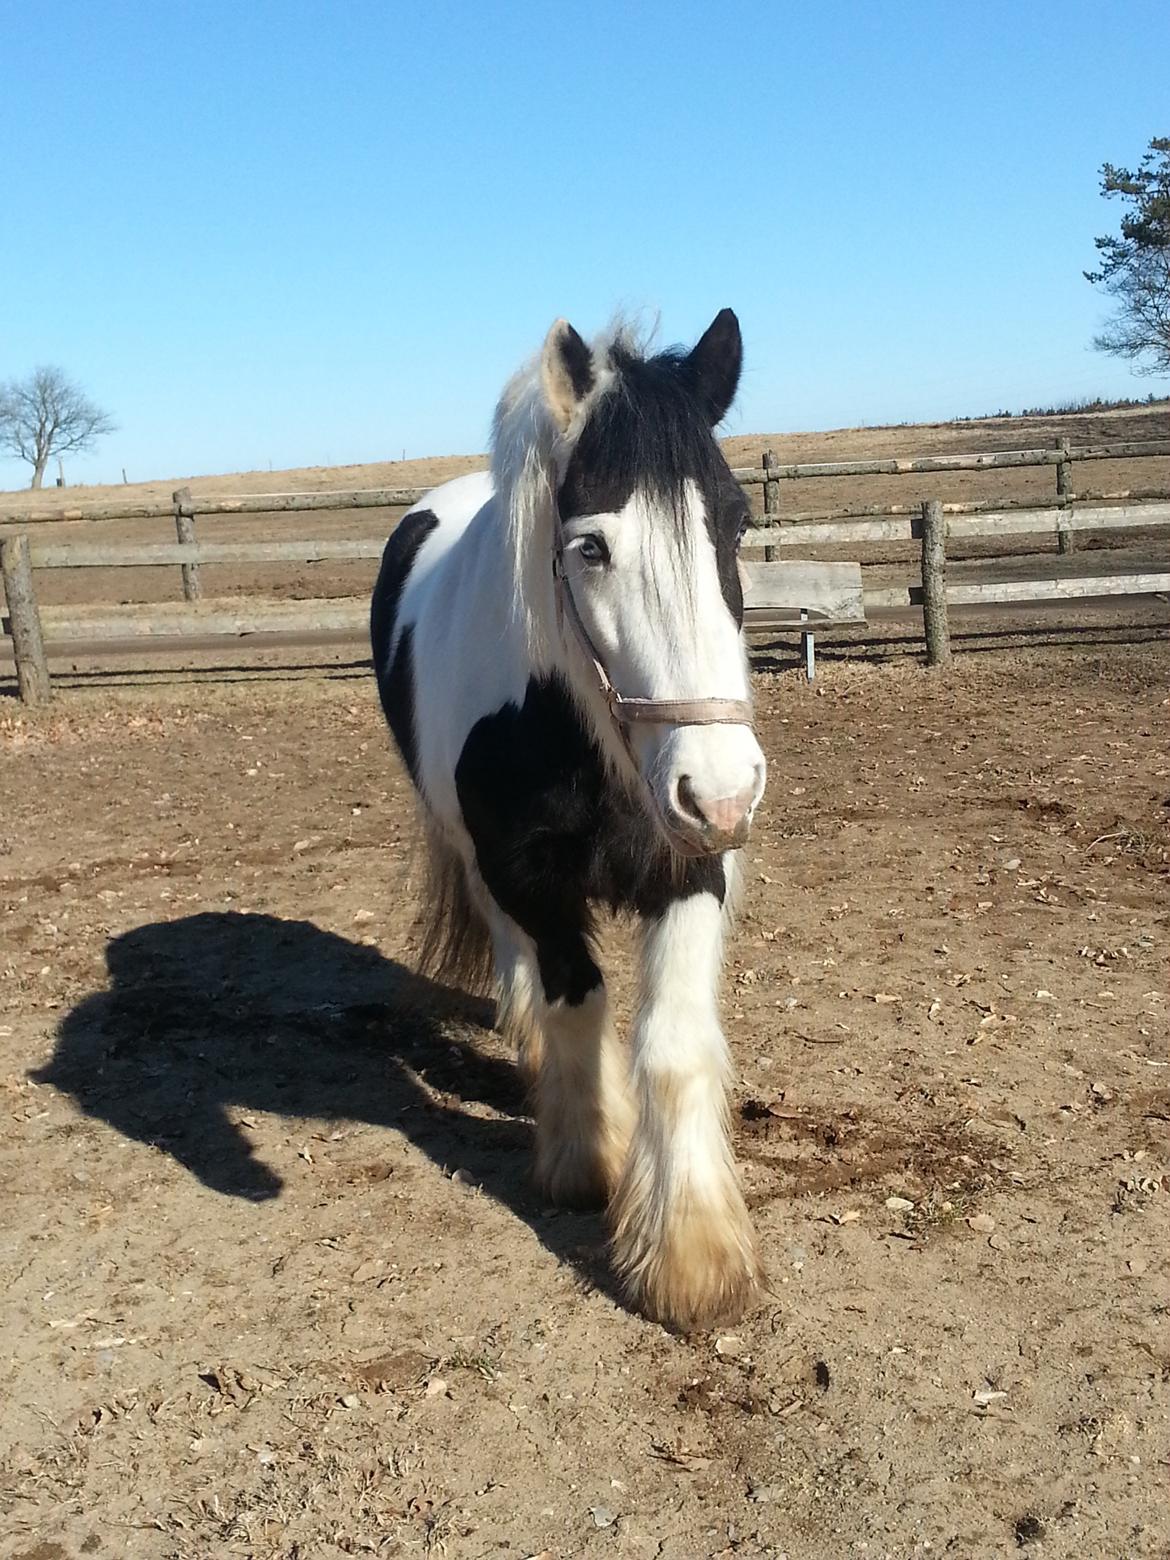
point(994, 522)
point(1027, 590)
point(195, 619)
point(829, 591)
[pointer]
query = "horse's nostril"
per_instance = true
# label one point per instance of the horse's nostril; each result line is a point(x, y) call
point(687, 802)
point(724, 818)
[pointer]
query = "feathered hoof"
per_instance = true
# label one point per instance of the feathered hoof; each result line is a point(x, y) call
point(704, 1272)
point(573, 1173)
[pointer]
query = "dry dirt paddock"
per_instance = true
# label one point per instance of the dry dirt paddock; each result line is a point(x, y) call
point(275, 1282)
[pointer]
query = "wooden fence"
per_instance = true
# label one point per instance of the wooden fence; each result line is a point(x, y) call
point(769, 475)
point(931, 523)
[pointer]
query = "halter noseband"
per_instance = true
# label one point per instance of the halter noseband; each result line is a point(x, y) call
point(624, 711)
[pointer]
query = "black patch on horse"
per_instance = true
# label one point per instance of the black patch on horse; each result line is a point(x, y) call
point(396, 688)
point(396, 682)
point(554, 835)
point(651, 431)
point(726, 523)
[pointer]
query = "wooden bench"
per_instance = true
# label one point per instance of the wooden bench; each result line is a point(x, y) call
point(803, 596)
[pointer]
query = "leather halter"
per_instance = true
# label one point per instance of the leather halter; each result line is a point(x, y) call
point(624, 711)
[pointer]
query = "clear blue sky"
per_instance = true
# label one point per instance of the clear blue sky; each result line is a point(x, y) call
point(306, 233)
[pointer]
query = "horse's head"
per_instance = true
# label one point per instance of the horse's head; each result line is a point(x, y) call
point(648, 523)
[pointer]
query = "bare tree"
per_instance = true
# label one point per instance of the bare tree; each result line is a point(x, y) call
point(46, 415)
point(1135, 264)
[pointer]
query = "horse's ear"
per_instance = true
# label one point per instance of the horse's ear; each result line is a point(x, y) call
point(715, 365)
point(566, 372)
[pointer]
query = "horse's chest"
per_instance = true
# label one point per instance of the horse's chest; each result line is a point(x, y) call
point(547, 822)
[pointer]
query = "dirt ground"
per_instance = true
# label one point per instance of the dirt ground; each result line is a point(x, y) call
point(276, 1283)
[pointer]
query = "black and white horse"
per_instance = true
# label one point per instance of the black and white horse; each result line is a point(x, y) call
point(559, 654)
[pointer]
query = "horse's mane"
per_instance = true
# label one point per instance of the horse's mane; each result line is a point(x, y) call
point(529, 453)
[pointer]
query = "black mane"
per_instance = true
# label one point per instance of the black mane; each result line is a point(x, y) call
point(649, 431)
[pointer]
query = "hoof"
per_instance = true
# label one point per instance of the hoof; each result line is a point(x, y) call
point(701, 1272)
point(574, 1173)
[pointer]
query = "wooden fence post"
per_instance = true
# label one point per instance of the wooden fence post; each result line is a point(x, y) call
point(771, 500)
point(1066, 538)
point(185, 530)
point(28, 647)
point(934, 589)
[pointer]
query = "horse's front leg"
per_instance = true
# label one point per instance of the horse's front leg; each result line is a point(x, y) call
point(582, 1095)
point(554, 1006)
point(682, 1239)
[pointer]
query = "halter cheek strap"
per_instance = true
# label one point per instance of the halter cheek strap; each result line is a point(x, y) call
point(624, 711)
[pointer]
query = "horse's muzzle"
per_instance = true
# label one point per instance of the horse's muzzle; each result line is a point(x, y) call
point(701, 827)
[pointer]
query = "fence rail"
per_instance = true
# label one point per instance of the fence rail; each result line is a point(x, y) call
point(213, 618)
point(330, 615)
point(152, 555)
point(230, 504)
point(1078, 588)
point(1060, 455)
point(932, 524)
point(1001, 522)
point(901, 527)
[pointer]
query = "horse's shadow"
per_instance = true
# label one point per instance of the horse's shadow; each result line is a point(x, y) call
point(227, 1010)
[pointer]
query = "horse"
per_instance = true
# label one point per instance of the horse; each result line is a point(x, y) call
point(558, 645)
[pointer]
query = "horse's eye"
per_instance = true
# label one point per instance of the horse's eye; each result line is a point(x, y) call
point(741, 533)
point(593, 550)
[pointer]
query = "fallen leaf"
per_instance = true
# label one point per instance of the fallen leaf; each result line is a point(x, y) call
point(394, 1372)
point(680, 1457)
point(765, 1494)
point(76, 1321)
point(981, 1223)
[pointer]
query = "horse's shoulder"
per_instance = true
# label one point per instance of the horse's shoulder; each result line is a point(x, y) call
point(398, 557)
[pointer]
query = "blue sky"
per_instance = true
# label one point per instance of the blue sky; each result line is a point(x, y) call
point(306, 233)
